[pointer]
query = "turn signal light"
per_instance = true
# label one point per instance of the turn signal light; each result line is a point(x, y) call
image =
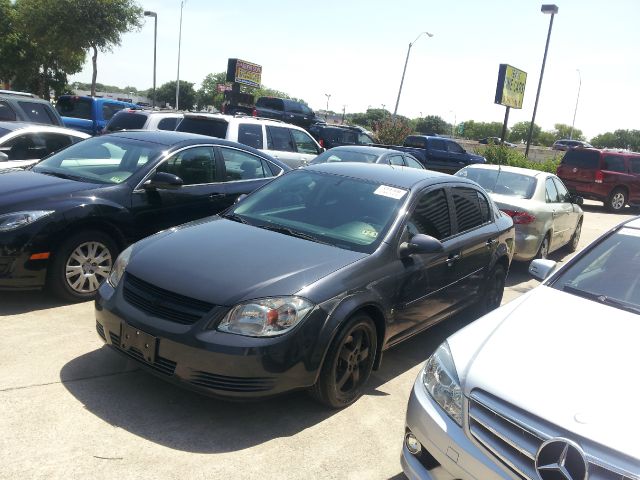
point(520, 218)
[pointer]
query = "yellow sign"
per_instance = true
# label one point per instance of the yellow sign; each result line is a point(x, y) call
point(511, 85)
point(248, 73)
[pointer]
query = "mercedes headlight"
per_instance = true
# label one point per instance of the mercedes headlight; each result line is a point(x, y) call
point(11, 221)
point(120, 266)
point(265, 317)
point(440, 379)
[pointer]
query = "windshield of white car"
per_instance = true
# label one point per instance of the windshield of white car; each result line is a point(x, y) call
point(501, 182)
point(105, 159)
point(345, 212)
point(609, 273)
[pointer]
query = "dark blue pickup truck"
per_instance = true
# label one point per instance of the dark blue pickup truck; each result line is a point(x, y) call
point(89, 114)
point(438, 153)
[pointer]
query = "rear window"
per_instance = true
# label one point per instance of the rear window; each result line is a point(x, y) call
point(38, 112)
point(501, 182)
point(589, 159)
point(6, 112)
point(204, 126)
point(126, 121)
point(270, 103)
point(415, 142)
point(74, 107)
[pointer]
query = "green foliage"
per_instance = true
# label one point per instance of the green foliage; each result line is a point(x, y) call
point(369, 118)
point(432, 124)
point(166, 94)
point(628, 139)
point(520, 131)
point(392, 131)
point(546, 138)
point(477, 130)
point(502, 155)
point(564, 131)
point(208, 94)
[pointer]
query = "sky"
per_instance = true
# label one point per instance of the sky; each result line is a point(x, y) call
point(355, 51)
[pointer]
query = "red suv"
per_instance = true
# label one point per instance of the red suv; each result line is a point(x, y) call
point(610, 176)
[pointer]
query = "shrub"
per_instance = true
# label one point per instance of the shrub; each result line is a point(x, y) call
point(392, 131)
point(500, 154)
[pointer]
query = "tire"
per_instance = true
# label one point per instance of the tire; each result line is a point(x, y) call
point(492, 295)
point(348, 363)
point(617, 200)
point(79, 265)
point(572, 246)
point(543, 251)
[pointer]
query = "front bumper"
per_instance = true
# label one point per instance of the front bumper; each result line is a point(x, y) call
point(211, 362)
point(450, 454)
point(17, 270)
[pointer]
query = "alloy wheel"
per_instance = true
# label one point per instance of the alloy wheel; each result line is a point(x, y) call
point(617, 201)
point(88, 265)
point(354, 360)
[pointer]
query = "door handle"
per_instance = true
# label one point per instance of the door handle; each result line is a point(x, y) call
point(452, 258)
point(213, 196)
point(491, 242)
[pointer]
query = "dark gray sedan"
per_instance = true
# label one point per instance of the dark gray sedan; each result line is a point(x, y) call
point(366, 154)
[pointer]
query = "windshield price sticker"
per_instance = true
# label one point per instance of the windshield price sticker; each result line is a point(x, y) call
point(390, 192)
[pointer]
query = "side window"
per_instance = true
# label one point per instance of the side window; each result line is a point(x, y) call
point(484, 208)
point(293, 107)
point(365, 139)
point(551, 191)
point(467, 207)
point(168, 123)
point(563, 193)
point(454, 147)
point(437, 145)
point(6, 112)
point(304, 143)
point(278, 138)
point(614, 163)
point(53, 142)
point(241, 165)
point(431, 216)
point(396, 160)
point(413, 163)
point(635, 165)
point(306, 110)
point(38, 113)
point(250, 134)
point(110, 109)
point(194, 166)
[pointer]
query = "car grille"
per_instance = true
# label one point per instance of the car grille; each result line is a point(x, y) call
point(160, 365)
point(231, 384)
point(514, 437)
point(163, 303)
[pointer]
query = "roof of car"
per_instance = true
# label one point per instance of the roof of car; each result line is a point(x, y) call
point(365, 149)
point(524, 171)
point(146, 111)
point(169, 137)
point(403, 177)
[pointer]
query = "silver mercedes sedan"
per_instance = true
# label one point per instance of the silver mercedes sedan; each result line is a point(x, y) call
point(543, 388)
point(546, 216)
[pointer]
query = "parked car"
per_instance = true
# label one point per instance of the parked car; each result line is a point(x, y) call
point(306, 281)
point(496, 141)
point(23, 144)
point(63, 222)
point(26, 107)
point(438, 153)
point(524, 392)
point(88, 114)
point(285, 110)
point(608, 176)
point(288, 143)
point(329, 136)
point(136, 119)
point(546, 216)
point(365, 154)
point(567, 144)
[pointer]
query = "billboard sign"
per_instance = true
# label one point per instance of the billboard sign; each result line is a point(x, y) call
point(510, 88)
point(241, 71)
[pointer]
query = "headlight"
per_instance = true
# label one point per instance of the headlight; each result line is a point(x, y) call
point(118, 269)
point(265, 317)
point(440, 379)
point(11, 221)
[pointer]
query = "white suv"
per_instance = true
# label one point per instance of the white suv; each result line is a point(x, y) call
point(288, 143)
point(136, 119)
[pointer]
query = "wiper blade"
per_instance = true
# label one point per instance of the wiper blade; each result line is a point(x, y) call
point(613, 302)
point(292, 233)
point(234, 217)
point(59, 175)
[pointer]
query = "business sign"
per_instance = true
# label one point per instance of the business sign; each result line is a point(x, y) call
point(244, 72)
point(221, 87)
point(510, 88)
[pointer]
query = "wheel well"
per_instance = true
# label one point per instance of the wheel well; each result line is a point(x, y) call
point(104, 227)
point(379, 321)
point(504, 261)
point(620, 187)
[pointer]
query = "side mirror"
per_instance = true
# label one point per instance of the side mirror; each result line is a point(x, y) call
point(420, 244)
point(240, 198)
point(542, 268)
point(4, 157)
point(577, 199)
point(163, 180)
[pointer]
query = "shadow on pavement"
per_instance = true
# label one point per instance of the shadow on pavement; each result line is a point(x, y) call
point(15, 303)
point(596, 207)
point(148, 407)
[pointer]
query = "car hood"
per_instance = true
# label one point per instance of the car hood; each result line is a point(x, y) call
point(20, 188)
point(225, 262)
point(569, 361)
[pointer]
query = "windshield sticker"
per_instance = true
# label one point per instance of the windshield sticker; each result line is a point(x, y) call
point(390, 192)
point(632, 232)
point(370, 233)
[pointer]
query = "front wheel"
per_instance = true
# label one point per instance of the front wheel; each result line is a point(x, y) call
point(348, 363)
point(617, 200)
point(575, 239)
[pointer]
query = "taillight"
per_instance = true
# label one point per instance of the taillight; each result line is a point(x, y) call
point(321, 143)
point(520, 218)
point(254, 112)
point(599, 176)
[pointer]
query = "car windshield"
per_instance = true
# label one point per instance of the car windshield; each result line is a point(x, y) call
point(106, 159)
point(345, 212)
point(345, 156)
point(609, 273)
point(501, 182)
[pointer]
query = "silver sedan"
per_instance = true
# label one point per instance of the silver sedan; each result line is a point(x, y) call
point(546, 216)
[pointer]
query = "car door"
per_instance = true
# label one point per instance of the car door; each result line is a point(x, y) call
point(458, 156)
point(568, 213)
point(201, 194)
point(438, 155)
point(24, 149)
point(558, 215)
point(305, 145)
point(423, 287)
point(280, 145)
point(634, 182)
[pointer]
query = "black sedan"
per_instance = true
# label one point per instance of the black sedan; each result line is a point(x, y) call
point(366, 154)
point(306, 281)
point(64, 221)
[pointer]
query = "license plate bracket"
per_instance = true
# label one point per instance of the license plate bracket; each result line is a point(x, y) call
point(134, 338)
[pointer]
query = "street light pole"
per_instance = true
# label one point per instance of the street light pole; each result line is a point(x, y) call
point(179, 42)
point(573, 124)
point(395, 111)
point(552, 9)
point(326, 114)
point(155, 43)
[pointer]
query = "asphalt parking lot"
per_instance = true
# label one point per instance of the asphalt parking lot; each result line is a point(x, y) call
point(71, 408)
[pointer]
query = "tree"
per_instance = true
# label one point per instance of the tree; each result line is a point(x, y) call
point(520, 131)
point(392, 130)
point(208, 93)
point(166, 94)
point(628, 139)
point(368, 119)
point(564, 131)
point(432, 124)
